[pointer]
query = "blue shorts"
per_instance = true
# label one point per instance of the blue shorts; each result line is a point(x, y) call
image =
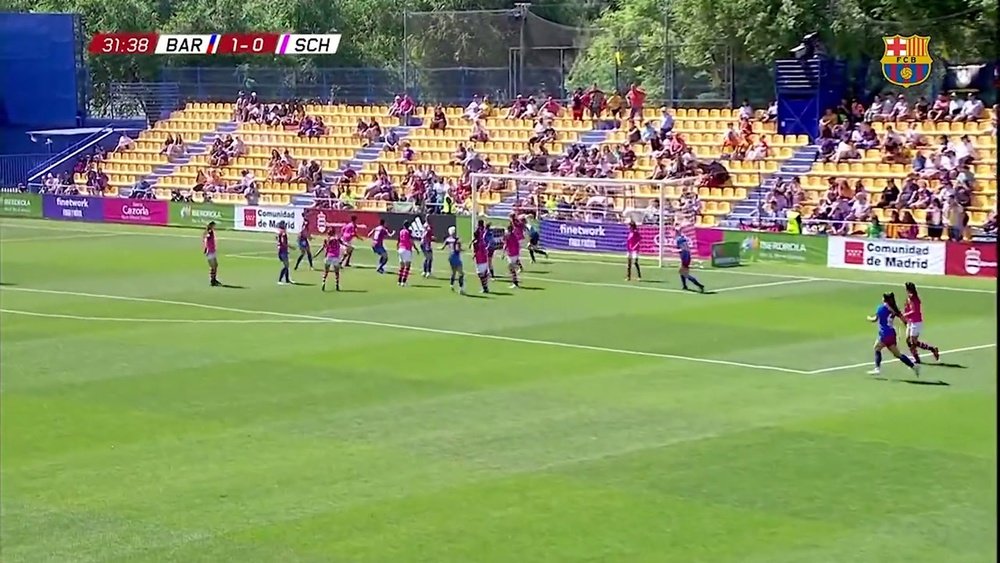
point(283, 256)
point(379, 249)
point(888, 339)
point(303, 246)
point(685, 260)
point(455, 262)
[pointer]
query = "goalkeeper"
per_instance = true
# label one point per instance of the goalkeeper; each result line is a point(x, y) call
point(534, 237)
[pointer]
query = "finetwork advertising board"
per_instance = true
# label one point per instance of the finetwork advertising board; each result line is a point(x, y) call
point(880, 255)
point(266, 219)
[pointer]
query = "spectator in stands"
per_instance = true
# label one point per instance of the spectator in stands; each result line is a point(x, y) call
point(954, 105)
point(279, 169)
point(474, 110)
point(666, 122)
point(648, 132)
point(177, 150)
point(965, 151)
point(479, 133)
point(913, 138)
point(900, 109)
point(372, 134)
point(458, 157)
point(636, 98)
point(990, 227)
point(407, 154)
point(167, 143)
point(845, 151)
point(660, 170)
point(954, 218)
point(934, 219)
point(595, 101)
point(517, 108)
point(907, 227)
point(439, 121)
point(860, 208)
point(890, 194)
point(633, 135)
point(759, 150)
point(360, 128)
point(531, 109)
point(921, 109)
point(142, 190)
point(218, 156)
point(971, 110)
point(406, 108)
point(576, 104)
point(391, 140)
point(908, 194)
point(551, 108)
point(746, 110)
point(875, 111)
point(395, 107)
point(544, 134)
point(251, 193)
point(125, 143)
point(626, 157)
point(616, 105)
point(939, 110)
point(772, 112)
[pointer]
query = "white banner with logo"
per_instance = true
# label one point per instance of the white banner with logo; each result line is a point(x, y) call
point(266, 219)
point(886, 255)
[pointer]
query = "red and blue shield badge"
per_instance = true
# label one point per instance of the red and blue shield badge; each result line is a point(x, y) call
point(907, 60)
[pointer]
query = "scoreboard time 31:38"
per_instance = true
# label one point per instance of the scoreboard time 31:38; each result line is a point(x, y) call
point(214, 44)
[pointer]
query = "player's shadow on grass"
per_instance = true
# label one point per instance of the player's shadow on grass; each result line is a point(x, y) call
point(538, 272)
point(650, 281)
point(930, 382)
point(350, 291)
point(531, 288)
point(304, 284)
point(947, 365)
point(425, 286)
point(475, 296)
point(231, 286)
point(5, 284)
point(707, 292)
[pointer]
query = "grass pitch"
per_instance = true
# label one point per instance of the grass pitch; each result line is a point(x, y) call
point(149, 417)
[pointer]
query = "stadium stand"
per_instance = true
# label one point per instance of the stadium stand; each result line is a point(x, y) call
point(340, 148)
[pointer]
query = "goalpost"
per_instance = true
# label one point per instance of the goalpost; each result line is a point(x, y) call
point(591, 215)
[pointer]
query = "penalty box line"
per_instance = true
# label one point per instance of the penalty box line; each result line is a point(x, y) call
point(413, 328)
point(736, 271)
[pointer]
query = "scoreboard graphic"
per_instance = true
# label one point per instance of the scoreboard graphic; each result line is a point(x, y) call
point(214, 44)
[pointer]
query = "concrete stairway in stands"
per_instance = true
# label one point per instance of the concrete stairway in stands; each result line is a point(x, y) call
point(199, 147)
point(801, 162)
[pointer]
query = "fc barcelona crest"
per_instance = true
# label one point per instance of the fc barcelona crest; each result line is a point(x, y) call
point(907, 60)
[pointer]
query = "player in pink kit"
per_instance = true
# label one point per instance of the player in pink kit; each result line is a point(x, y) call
point(632, 241)
point(378, 236)
point(481, 253)
point(332, 245)
point(914, 316)
point(404, 248)
point(512, 246)
point(208, 248)
point(518, 225)
point(348, 233)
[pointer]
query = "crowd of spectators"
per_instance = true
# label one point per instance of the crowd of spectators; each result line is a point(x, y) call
point(86, 178)
point(940, 182)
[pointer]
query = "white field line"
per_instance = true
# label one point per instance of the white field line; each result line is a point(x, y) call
point(871, 363)
point(65, 237)
point(739, 271)
point(549, 343)
point(768, 284)
point(155, 320)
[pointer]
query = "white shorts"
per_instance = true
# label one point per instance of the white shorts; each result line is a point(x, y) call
point(482, 269)
point(349, 245)
point(210, 256)
point(913, 329)
point(405, 256)
point(513, 259)
point(632, 255)
point(332, 261)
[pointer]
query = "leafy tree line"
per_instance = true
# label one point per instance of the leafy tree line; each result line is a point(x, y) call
point(638, 38)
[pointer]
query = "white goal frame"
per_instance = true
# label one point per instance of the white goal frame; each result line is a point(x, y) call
point(477, 178)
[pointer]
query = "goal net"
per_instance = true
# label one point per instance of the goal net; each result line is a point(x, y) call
point(591, 215)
